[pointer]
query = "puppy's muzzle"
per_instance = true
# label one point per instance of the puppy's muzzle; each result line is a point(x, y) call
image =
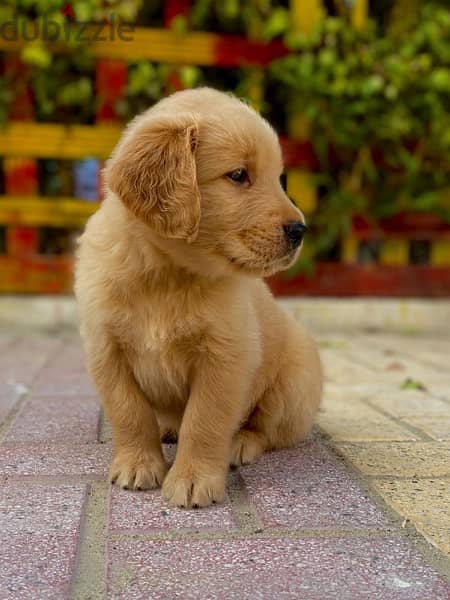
point(294, 232)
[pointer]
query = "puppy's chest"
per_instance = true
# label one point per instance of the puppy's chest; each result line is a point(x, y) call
point(162, 347)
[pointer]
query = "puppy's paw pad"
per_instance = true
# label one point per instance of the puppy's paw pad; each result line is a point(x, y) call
point(137, 472)
point(193, 491)
point(245, 448)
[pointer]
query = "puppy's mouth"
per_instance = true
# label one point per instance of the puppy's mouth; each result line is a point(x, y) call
point(262, 268)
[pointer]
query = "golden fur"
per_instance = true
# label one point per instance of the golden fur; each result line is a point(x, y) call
point(182, 336)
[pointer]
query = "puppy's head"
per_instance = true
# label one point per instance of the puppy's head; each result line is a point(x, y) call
point(202, 170)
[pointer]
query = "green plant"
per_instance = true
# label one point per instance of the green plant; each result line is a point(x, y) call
point(262, 19)
point(377, 100)
point(6, 97)
point(63, 88)
point(378, 109)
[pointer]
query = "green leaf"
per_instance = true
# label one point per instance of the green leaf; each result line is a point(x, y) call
point(413, 384)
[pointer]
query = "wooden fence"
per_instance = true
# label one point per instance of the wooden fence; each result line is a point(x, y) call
point(396, 248)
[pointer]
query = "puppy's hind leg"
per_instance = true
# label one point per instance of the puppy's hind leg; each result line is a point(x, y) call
point(283, 416)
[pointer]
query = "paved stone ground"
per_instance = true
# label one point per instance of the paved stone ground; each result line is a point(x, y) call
point(360, 511)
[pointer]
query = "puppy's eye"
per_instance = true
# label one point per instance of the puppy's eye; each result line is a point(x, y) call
point(239, 176)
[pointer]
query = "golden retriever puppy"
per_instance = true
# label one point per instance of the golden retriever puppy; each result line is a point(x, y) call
point(182, 336)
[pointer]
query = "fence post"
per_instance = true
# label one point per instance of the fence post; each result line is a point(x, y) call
point(21, 177)
point(305, 15)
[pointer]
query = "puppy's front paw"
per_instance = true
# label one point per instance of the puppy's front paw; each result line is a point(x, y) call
point(189, 489)
point(246, 447)
point(137, 470)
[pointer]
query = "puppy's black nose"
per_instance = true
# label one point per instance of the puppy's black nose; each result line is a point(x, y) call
point(294, 231)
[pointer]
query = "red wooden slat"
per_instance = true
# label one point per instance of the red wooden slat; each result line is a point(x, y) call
point(299, 154)
point(110, 82)
point(174, 8)
point(233, 50)
point(422, 226)
point(334, 279)
point(16, 72)
point(22, 241)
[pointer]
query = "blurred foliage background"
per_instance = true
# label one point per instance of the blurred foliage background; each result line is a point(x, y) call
point(376, 99)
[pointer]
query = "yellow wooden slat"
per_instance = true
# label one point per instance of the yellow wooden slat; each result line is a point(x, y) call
point(440, 253)
point(359, 13)
point(394, 252)
point(255, 88)
point(40, 211)
point(306, 14)
point(299, 127)
point(38, 140)
point(349, 253)
point(159, 45)
point(301, 190)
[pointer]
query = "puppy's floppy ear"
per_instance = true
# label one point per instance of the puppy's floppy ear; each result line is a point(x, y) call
point(153, 172)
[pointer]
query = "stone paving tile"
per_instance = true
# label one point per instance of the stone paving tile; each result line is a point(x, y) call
point(18, 460)
point(147, 511)
point(429, 351)
point(6, 339)
point(46, 571)
point(424, 502)
point(391, 362)
point(341, 370)
point(66, 374)
point(306, 487)
point(38, 540)
point(345, 418)
point(66, 419)
point(21, 361)
point(6, 404)
point(437, 427)
point(409, 403)
point(404, 459)
point(268, 569)
point(363, 360)
point(36, 508)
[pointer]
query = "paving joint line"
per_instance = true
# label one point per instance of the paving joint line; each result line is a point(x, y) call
point(54, 479)
point(21, 401)
point(14, 412)
point(430, 553)
point(402, 353)
point(424, 437)
point(243, 509)
point(236, 534)
point(89, 578)
point(104, 432)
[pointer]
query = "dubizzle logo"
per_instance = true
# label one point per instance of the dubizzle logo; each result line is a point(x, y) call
point(49, 30)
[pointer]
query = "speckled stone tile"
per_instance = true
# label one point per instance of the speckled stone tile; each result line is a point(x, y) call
point(38, 541)
point(404, 459)
point(268, 569)
point(65, 374)
point(35, 508)
point(346, 418)
point(22, 360)
point(26, 459)
point(437, 426)
point(410, 403)
point(36, 567)
point(425, 503)
point(307, 487)
point(7, 402)
point(147, 511)
point(53, 419)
